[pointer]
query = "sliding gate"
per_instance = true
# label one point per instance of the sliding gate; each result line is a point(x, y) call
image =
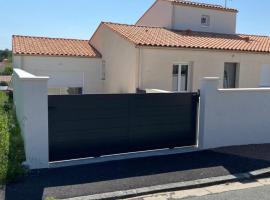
point(95, 125)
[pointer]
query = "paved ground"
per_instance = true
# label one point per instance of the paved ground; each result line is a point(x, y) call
point(136, 173)
point(2, 192)
point(261, 193)
point(248, 190)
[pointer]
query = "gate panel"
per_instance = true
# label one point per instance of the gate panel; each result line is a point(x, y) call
point(160, 121)
point(87, 125)
point(94, 125)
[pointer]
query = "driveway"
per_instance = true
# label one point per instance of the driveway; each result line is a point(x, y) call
point(136, 173)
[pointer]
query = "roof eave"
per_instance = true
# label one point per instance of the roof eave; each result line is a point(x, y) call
point(205, 7)
point(45, 55)
point(202, 49)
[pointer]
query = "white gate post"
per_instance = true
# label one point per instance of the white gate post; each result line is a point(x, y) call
point(208, 90)
point(31, 102)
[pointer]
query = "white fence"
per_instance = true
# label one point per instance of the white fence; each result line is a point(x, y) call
point(233, 116)
point(31, 101)
point(227, 116)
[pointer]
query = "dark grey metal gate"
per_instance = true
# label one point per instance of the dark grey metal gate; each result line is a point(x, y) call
point(95, 125)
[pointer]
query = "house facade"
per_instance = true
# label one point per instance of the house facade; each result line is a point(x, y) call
point(171, 47)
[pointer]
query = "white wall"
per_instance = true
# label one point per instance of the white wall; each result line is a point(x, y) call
point(64, 71)
point(159, 15)
point(121, 59)
point(169, 15)
point(157, 63)
point(185, 17)
point(233, 116)
point(31, 102)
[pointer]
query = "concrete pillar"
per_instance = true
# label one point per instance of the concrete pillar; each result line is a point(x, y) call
point(31, 102)
point(209, 87)
point(265, 76)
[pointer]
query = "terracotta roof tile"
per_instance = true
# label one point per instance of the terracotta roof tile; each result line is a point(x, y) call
point(5, 78)
point(202, 5)
point(26, 45)
point(161, 37)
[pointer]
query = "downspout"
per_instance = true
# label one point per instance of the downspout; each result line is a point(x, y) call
point(139, 86)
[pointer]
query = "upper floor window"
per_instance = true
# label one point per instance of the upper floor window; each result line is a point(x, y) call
point(205, 20)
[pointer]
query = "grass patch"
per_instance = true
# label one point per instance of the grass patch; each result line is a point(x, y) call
point(50, 198)
point(11, 143)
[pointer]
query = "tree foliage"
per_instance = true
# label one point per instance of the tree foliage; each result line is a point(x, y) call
point(5, 54)
point(8, 70)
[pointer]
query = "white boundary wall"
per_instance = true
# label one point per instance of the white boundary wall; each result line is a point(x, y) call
point(31, 102)
point(228, 117)
point(231, 117)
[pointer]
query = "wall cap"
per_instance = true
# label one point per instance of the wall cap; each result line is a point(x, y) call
point(24, 75)
point(211, 78)
point(266, 89)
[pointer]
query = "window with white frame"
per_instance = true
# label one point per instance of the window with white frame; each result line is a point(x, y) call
point(205, 20)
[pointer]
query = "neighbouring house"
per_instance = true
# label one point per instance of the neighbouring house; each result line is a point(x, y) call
point(6, 79)
point(5, 82)
point(172, 47)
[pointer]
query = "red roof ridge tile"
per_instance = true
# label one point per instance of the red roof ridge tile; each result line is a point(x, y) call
point(202, 5)
point(123, 24)
point(49, 38)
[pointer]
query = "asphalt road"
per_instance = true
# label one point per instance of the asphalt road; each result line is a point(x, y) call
point(258, 193)
point(136, 173)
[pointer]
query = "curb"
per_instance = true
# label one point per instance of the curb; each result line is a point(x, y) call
point(174, 186)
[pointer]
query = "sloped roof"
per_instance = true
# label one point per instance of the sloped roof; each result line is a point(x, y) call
point(27, 45)
point(202, 5)
point(161, 37)
point(5, 78)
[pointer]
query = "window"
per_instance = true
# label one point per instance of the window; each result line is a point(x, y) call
point(180, 77)
point(184, 77)
point(175, 77)
point(175, 70)
point(205, 20)
point(231, 75)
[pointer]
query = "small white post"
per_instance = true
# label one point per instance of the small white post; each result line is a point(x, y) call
point(265, 76)
point(209, 87)
point(31, 102)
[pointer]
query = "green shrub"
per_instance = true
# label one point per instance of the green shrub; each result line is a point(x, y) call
point(7, 71)
point(7, 107)
point(11, 143)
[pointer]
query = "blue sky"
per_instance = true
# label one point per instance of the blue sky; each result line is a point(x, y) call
point(80, 18)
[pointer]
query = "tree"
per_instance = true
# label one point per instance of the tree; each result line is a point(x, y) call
point(5, 54)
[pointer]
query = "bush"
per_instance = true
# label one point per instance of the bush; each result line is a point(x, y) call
point(7, 71)
point(5, 54)
point(11, 143)
point(10, 96)
point(7, 106)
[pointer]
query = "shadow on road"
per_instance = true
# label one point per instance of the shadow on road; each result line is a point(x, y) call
point(134, 173)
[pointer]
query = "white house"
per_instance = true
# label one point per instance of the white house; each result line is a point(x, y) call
point(172, 47)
